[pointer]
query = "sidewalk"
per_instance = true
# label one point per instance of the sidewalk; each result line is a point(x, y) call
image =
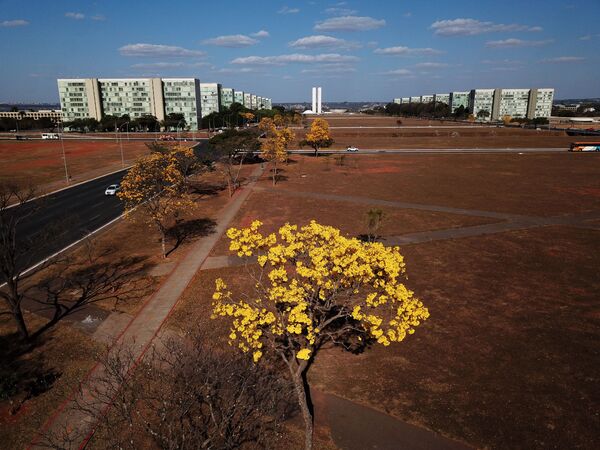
point(356, 427)
point(77, 426)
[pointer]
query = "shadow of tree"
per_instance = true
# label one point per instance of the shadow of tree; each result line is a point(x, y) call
point(206, 190)
point(188, 230)
point(22, 377)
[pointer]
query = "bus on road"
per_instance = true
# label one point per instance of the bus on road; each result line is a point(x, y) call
point(585, 147)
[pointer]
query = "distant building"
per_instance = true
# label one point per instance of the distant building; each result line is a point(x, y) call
point(227, 97)
point(442, 98)
point(481, 100)
point(253, 101)
point(540, 103)
point(97, 97)
point(238, 97)
point(210, 98)
point(398, 101)
point(248, 100)
point(405, 100)
point(268, 104)
point(458, 99)
point(54, 114)
point(259, 102)
point(518, 103)
point(183, 96)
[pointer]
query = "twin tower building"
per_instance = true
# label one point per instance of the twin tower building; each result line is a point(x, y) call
point(96, 97)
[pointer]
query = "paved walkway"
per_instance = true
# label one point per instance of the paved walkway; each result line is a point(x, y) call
point(77, 426)
point(357, 427)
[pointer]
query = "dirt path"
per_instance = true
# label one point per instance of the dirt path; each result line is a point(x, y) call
point(74, 426)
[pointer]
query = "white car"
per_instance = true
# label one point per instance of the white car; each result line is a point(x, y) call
point(352, 149)
point(112, 189)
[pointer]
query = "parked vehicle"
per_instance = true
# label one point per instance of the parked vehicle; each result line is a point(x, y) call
point(21, 138)
point(112, 189)
point(352, 149)
point(50, 136)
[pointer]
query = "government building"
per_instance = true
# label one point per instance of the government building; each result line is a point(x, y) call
point(96, 97)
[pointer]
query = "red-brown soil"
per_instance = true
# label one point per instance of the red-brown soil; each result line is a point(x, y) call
point(508, 358)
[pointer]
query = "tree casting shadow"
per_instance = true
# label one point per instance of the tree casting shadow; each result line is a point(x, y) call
point(189, 230)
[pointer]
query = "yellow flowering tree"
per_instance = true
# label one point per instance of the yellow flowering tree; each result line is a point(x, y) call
point(156, 186)
point(274, 147)
point(318, 135)
point(316, 287)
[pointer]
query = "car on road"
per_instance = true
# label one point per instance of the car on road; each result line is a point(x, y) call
point(352, 149)
point(112, 189)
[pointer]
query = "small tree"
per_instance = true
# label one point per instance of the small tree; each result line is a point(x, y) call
point(274, 147)
point(374, 219)
point(230, 149)
point(483, 114)
point(316, 287)
point(156, 185)
point(318, 136)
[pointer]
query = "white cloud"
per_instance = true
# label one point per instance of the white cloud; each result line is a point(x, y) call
point(75, 15)
point(431, 65)
point(471, 27)
point(227, 70)
point(158, 51)
point(14, 23)
point(587, 37)
point(401, 72)
point(406, 51)
point(294, 58)
point(322, 41)
point(261, 34)
point(564, 59)
point(330, 68)
point(167, 65)
point(232, 41)
point(340, 11)
point(502, 61)
point(407, 14)
point(512, 42)
point(349, 23)
point(99, 17)
point(288, 10)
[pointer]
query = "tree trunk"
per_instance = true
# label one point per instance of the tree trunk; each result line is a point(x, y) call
point(303, 393)
point(20, 321)
point(274, 173)
point(163, 243)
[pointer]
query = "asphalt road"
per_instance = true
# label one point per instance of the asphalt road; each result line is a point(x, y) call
point(59, 219)
point(435, 150)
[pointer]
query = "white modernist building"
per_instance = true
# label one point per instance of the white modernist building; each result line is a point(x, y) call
point(516, 103)
point(97, 97)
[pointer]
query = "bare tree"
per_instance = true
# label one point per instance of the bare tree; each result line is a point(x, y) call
point(70, 282)
point(15, 206)
point(184, 394)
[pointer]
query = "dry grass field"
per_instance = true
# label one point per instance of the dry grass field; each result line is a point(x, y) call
point(41, 162)
point(362, 132)
point(508, 357)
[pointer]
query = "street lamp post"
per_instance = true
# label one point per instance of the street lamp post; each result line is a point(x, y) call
point(64, 154)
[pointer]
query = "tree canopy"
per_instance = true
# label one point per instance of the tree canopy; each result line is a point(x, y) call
point(316, 287)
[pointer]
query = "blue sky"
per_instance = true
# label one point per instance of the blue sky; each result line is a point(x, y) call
point(356, 50)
